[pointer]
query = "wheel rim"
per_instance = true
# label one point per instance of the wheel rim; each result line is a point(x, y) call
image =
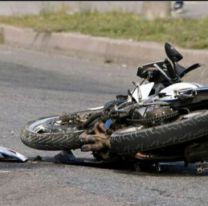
point(50, 125)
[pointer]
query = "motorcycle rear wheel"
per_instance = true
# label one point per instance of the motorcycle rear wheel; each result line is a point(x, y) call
point(129, 141)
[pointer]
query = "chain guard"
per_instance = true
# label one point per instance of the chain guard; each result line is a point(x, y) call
point(158, 116)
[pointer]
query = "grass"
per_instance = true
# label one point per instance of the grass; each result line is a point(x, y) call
point(1, 38)
point(181, 32)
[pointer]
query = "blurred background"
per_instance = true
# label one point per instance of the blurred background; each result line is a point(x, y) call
point(184, 23)
point(192, 9)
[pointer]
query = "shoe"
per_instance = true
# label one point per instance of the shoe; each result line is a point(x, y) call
point(178, 6)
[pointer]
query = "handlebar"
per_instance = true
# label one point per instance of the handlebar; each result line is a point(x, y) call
point(170, 70)
point(173, 75)
point(190, 68)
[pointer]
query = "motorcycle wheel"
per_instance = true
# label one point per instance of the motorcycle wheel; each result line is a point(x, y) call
point(129, 141)
point(47, 134)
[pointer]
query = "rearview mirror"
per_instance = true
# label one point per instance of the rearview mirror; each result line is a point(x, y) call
point(172, 53)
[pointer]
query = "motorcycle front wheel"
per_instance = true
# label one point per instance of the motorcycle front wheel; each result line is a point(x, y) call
point(48, 134)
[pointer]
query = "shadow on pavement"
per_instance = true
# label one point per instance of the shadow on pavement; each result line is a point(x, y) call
point(124, 167)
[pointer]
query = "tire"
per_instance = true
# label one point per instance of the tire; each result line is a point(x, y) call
point(128, 143)
point(61, 140)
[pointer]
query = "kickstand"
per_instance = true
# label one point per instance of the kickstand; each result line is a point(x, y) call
point(67, 157)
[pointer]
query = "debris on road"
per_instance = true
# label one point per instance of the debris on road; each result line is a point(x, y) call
point(11, 155)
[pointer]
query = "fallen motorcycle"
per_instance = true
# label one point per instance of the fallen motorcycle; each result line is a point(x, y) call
point(161, 119)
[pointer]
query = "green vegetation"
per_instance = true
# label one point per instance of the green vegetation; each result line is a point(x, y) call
point(1, 38)
point(182, 32)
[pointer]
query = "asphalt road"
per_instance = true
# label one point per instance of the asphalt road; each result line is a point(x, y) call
point(35, 84)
